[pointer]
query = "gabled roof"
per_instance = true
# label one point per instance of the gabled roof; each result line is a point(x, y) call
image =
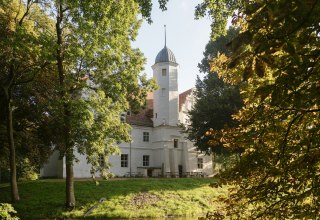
point(183, 97)
point(144, 117)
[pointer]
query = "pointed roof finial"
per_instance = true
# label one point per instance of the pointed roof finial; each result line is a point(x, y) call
point(165, 36)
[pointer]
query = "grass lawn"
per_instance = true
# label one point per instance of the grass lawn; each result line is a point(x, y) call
point(130, 198)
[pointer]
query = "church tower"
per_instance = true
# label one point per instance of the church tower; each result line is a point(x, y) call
point(166, 97)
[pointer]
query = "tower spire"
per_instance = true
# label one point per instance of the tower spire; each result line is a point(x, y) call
point(165, 36)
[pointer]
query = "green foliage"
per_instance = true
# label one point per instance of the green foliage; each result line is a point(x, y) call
point(219, 12)
point(276, 60)
point(25, 48)
point(227, 160)
point(100, 76)
point(215, 47)
point(25, 45)
point(216, 101)
point(7, 212)
point(25, 170)
point(135, 198)
point(145, 7)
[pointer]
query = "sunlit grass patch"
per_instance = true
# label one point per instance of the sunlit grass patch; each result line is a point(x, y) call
point(132, 198)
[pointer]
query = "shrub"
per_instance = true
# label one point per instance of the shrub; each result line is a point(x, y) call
point(7, 212)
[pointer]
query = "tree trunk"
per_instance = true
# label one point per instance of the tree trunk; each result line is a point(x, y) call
point(70, 198)
point(12, 158)
point(68, 148)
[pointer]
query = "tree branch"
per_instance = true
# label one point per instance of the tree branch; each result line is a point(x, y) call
point(29, 4)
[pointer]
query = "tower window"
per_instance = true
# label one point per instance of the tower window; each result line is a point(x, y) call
point(164, 72)
point(163, 91)
point(145, 136)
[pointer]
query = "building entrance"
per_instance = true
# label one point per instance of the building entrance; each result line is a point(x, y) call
point(180, 168)
point(149, 172)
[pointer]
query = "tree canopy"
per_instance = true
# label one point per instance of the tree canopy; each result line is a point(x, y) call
point(275, 58)
point(216, 101)
point(98, 76)
point(24, 53)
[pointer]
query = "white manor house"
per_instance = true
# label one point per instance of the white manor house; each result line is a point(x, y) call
point(159, 148)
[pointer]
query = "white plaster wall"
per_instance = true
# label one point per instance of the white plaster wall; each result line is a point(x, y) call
point(81, 168)
point(50, 168)
point(56, 168)
point(158, 157)
point(207, 164)
point(116, 168)
point(160, 148)
point(173, 96)
point(166, 134)
point(137, 136)
point(166, 104)
point(178, 156)
point(187, 106)
point(135, 160)
point(193, 162)
point(160, 101)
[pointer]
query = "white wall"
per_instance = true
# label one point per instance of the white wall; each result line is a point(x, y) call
point(50, 169)
point(81, 168)
point(165, 104)
point(186, 106)
point(160, 148)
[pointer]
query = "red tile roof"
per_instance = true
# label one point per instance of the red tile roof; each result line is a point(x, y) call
point(183, 97)
point(144, 117)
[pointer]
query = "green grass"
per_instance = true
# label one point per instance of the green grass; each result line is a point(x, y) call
point(132, 198)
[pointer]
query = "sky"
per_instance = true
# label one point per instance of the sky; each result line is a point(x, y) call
point(186, 38)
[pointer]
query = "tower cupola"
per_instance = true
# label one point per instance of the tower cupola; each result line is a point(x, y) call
point(166, 98)
point(165, 55)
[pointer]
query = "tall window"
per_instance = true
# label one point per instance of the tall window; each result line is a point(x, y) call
point(124, 160)
point(145, 136)
point(200, 163)
point(146, 159)
point(164, 72)
point(175, 143)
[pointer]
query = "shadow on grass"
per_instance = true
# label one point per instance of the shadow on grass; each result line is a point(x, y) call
point(45, 198)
